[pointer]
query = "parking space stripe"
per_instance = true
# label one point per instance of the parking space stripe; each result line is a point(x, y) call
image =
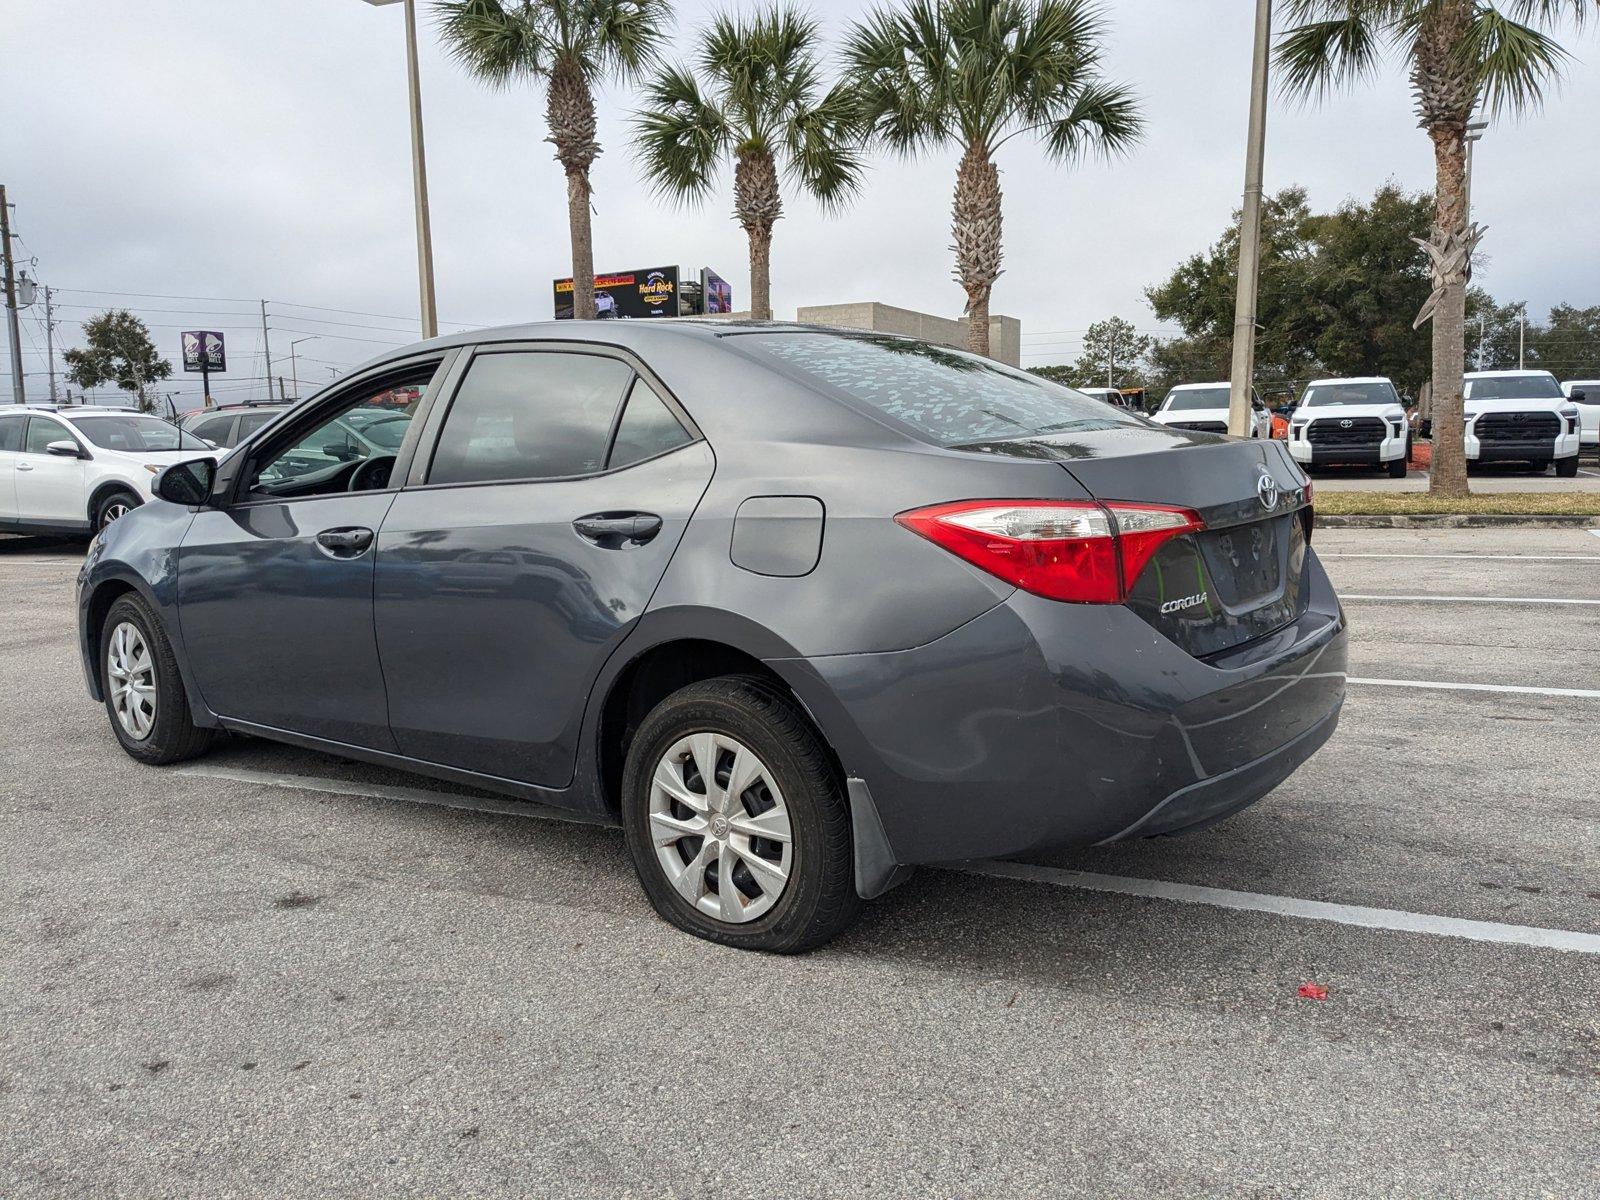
point(1466, 599)
point(1510, 688)
point(1284, 906)
point(1479, 557)
point(1288, 906)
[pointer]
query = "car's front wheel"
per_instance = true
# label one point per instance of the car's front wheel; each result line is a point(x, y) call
point(737, 820)
point(1567, 468)
point(1397, 469)
point(114, 505)
point(143, 693)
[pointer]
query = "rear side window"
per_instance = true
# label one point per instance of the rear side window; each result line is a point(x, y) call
point(11, 433)
point(530, 415)
point(947, 396)
point(647, 428)
point(251, 422)
point(215, 429)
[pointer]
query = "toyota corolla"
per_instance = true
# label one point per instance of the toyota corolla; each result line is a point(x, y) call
point(797, 608)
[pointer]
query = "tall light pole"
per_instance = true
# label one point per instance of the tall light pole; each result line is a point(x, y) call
point(419, 173)
point(294, 366)
point(1244, 309)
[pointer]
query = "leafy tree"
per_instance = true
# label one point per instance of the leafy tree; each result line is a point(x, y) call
point(762, 105)
point(972, 75)
point(119, 351)
point(1459, 54)
point(1569, 343)
point(1113, 355)
point(572, 47)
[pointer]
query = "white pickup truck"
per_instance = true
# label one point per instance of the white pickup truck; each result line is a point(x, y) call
point(1350, 421)
point(1203, 407)
point(1585, 393)
point(1521, 416)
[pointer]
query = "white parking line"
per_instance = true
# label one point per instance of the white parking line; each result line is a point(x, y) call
point(1510, 688)
point(1288, 906)
point(1478, 557)
point(1466, 599)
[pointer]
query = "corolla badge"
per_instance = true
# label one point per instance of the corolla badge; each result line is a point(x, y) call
point(1267, 491)
point(1183, 602)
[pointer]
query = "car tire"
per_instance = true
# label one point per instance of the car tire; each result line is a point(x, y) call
point(113, 505)
point(144, 697)
point(1567, 468)
point(1397, 469)
point(805, 893)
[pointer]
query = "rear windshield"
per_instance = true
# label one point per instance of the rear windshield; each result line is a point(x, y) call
point(1514, 387)
point(1193, 398)
point(133, 432)
point(1351, 393)
point(948, 396)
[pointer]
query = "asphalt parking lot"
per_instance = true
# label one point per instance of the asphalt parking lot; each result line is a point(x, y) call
point(270, 974)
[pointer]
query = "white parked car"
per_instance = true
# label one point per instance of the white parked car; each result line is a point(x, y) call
point(1203, 407)
point(76, 469)
point(1585, 393)
point(1520, 416)
point(1113, 397)
point(1358, 420)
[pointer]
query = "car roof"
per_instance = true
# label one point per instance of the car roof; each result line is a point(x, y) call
point(1506, 374)
point(67, 410)
point(1186, 387)
point(1351, 379)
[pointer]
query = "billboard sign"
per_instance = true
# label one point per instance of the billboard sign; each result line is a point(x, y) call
point(648, 292)
point(716, 293)
point(203, 351)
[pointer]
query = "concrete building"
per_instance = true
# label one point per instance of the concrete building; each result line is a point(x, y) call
point(1005, 333)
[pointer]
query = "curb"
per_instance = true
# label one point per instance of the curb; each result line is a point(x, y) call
point(1454, 521)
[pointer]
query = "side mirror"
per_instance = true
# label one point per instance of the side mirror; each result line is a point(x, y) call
point(1579, 397)
point(65, 448)
point(187, 483)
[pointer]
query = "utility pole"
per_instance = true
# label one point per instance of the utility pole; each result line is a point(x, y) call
point(12, 325)
point(50, 339)
point(1244, 311)
point(1483, 332)
point(1522, 341)
point(266, 349)
point(1111, 358)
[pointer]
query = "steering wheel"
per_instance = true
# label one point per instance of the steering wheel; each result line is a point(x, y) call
point(372, 474)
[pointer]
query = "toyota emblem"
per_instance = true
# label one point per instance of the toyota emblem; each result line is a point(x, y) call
point(1267, 491)
point(1345, 424)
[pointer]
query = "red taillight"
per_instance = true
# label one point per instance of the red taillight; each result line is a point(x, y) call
point(1077, 550)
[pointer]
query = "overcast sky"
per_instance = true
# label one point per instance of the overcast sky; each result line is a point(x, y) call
point(239, 150)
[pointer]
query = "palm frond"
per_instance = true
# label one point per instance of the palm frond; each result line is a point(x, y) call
point(1317, 57)
point(1103, 120)
point(1552, 12)
point(624, 37)
point(679, 136)
point(897, 62)
point(496, 43)
point(1516, 63)
point(824, 149)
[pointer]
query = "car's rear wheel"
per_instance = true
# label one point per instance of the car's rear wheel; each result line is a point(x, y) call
point(737, 820)
point(143, 693)
point(110, 507)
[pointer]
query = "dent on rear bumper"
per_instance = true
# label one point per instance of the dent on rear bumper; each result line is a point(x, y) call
point(1040, 725)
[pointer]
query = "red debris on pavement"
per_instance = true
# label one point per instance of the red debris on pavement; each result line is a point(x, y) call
point(1313, 991)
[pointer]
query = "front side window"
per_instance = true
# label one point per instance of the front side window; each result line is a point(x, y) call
point(1351, 393)
point(530, 415)
point(949, 397)
point(136, 433)
point(42, 431)
point(337, 454)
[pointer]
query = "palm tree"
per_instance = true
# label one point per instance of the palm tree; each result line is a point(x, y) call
point(973, 74)
point(572, 46)
point(1460, 54)
point(762, 102)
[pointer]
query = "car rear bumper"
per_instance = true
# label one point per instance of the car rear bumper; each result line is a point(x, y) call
point(1040, 725)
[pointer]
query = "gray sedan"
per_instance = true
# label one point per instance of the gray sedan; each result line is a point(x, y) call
point(798, 608)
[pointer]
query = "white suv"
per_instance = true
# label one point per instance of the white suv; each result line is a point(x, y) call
point(1203, 407)
point(1520, 416)
point(1350, 421)
point(1585, 393)
point(74, 470)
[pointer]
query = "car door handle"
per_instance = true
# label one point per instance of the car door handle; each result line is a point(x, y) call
point(24, 466)
point(613, 531)
point(349, 542)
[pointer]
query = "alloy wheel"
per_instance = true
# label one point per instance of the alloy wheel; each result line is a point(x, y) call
point(114, 510)
point(133, 680)
point(720, 827)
